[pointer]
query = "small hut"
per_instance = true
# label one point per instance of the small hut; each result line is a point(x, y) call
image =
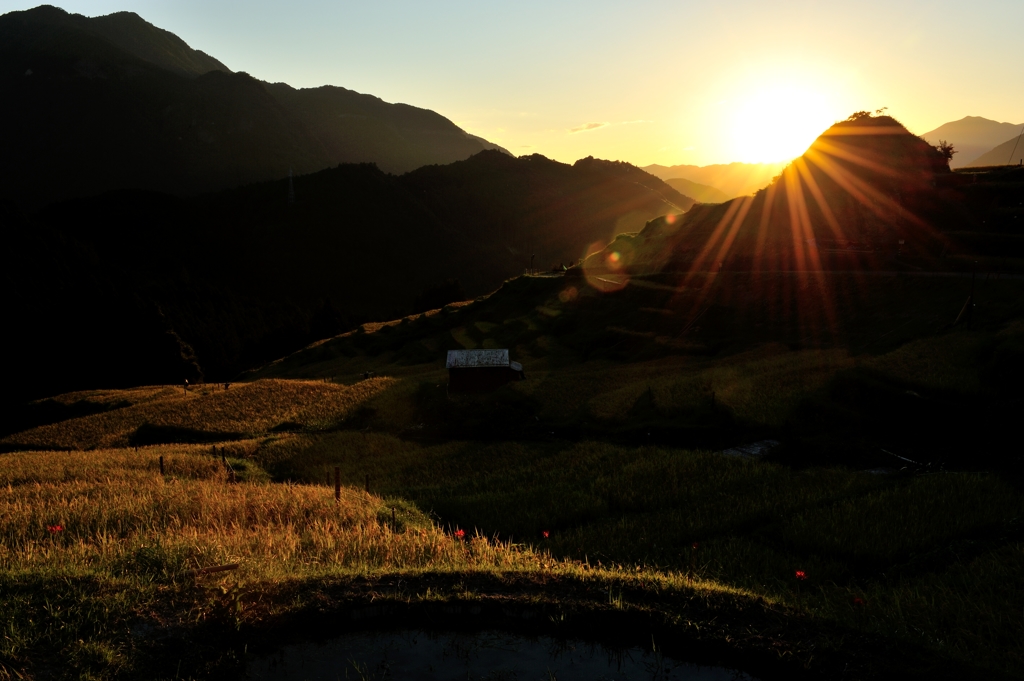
point(481, 370)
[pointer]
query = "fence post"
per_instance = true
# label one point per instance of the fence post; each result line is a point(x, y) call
point(337, 484)
point(161, 464)
point(970, 310)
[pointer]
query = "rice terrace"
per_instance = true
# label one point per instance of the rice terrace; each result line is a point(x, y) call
point(308, 385)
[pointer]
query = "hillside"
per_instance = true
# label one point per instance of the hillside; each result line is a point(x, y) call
point(1010, 152)
point(135, 35)
point(698, 192)
point(732, 179)
point(867, 194)
point(215, 529)
point(154, 114)
point(972, 136)
point(225, 281)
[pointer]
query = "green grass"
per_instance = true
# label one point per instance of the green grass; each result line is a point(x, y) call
point(931, 556)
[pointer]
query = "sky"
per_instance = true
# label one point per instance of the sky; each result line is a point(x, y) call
point(645, 81)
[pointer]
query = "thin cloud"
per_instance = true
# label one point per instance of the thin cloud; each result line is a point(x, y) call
point(587, 127)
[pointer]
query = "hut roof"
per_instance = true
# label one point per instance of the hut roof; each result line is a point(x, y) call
point(461, 359)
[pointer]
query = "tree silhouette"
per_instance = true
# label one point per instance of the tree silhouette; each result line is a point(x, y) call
point(946, 149)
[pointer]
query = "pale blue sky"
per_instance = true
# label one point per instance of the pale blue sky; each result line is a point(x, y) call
point(667, 82)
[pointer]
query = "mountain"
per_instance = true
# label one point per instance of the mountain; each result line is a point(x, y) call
point(971, 137)
point(732, 179)
point(159, 288)
point(135, 35)
point(356, 128)
point(699, 192)
point(866, 190)
point(113, 102)
point(1009, 152)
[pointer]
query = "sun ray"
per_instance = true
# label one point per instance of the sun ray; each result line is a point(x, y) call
point(762, 227)
point(819, 197)
point(741, 215)
point(843, 151)
point(712, 240)
point(794, 196)
point(822, 203)
point(880, 204)
point(809, 268)
point(813, 251)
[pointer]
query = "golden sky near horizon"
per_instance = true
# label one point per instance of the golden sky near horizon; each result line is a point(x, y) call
point(651, 81)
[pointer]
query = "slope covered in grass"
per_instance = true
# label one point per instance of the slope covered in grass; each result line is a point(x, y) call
point(840, 369)
point(203, 414)
point(102, 555)
point(589, 487)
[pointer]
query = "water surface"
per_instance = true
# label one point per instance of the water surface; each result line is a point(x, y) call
point(429, 656)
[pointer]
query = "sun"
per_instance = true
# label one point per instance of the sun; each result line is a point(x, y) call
point(776, 123)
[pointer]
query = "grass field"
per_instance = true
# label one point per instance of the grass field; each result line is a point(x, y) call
point(208, 413)
point(96, 543)
point(591, 486)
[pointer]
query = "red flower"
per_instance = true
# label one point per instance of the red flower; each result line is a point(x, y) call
point(801, 575)
point(857, 601)
point(460, 533)
point(54, 529)
point(546, 534)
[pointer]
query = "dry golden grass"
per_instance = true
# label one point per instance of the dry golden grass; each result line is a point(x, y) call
point(145, 393)
point(112, 511)
point(245, 408)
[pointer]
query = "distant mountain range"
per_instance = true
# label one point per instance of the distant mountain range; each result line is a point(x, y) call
point(1009, 152)
point(698, 192)
point(731, 179)
point(112, 102)
point(972, 137)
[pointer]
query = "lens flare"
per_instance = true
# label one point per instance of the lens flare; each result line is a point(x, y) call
point(606, 270)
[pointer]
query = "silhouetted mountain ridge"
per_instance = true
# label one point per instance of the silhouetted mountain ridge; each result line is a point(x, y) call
point(134, 34)
point(114, 102)
point(865, 192)
point(243, 276)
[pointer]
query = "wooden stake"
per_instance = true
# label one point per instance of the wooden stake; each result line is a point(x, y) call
point(211, 570)
point(337, 484)
point(970, 310)
point(394, 525)
point(161, 464)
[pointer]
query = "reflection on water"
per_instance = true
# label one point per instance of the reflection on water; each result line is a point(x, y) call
point(494, 655)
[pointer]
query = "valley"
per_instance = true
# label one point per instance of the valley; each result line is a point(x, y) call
point(763, 423)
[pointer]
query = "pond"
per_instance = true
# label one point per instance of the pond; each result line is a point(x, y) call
point(417, 655)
